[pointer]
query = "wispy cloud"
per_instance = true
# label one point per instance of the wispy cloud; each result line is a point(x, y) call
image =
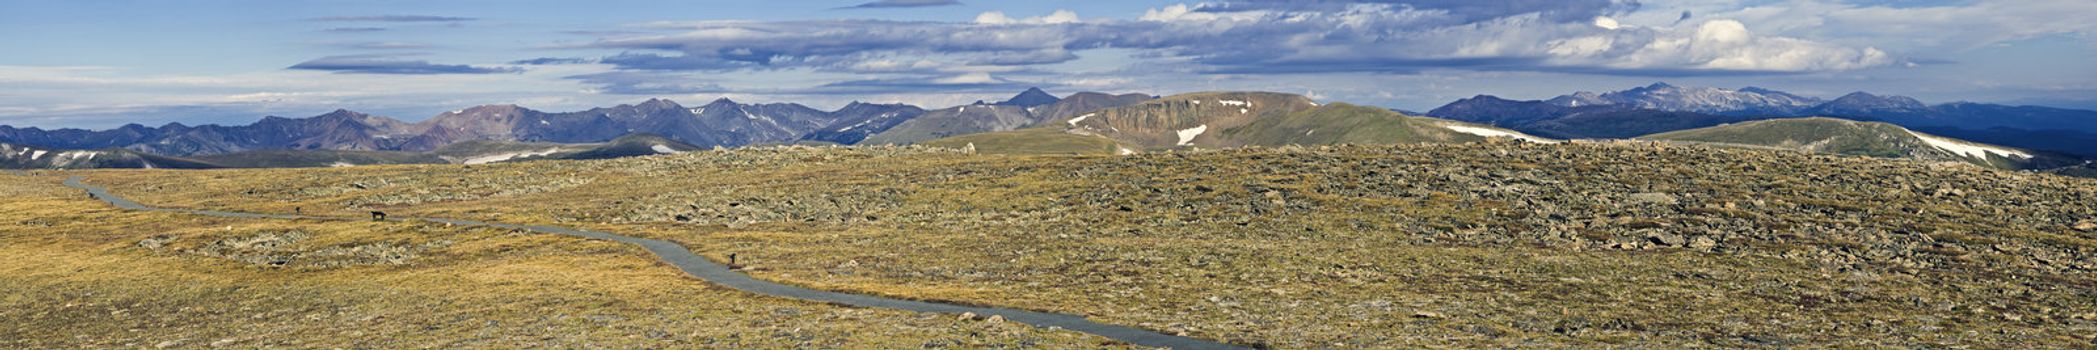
point(354, 29)
point(903, 3)
point(553, 61)
point(393, 18)
point(380, 64)
point(383, 45)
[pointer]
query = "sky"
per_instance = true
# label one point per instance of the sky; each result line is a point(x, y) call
point(102, 64)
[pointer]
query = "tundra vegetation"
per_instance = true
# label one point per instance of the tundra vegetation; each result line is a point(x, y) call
point(1493, 244)
point(82, 274)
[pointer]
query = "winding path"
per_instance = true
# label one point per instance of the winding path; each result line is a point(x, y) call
point(693, 264)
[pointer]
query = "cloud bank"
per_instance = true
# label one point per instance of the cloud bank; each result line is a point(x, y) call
point(903, 3)
point(393, 18)
point(378, 64)
point(1250, 37)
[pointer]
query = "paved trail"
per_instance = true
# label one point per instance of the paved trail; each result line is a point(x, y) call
point(703, 268)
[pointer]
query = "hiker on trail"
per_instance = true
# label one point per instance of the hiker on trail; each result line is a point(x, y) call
point(298, 211)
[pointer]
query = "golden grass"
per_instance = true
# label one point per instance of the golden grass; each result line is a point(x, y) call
point(77, 276)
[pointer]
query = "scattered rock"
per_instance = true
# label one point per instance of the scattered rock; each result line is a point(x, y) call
point(967, 316)
point(1665, 239)
point(1654, 198)
point(1702, 243)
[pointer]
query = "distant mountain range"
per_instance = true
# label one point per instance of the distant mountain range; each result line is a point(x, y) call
point(1662, 107)
point(1036, 122)
point(1032, 107)
point(720, 123)
point(470, 152)
point(1873, 139)
point(1222, 120)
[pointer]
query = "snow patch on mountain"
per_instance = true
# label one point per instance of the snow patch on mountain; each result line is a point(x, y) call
point(1187, 136)
point(508, 156)
point(1074, 121)
point(1968, 149)
point(1497, 133)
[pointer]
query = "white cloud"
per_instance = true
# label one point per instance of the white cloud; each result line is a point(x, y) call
point(999, 18)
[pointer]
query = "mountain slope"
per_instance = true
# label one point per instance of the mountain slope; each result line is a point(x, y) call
point(28, 157)
point(1033, 97)
point(317, 158)
point(954, 121)
point(1194, 119)
point(859, 120)
point(1546, 119)
point(626, 146)
point(1081, 103)
point(1341, 123)
point(1036, 140)
point(1875, 139)
point(341, 129)
point(2066, 131)
point(1662, 96)
point(1029, 108)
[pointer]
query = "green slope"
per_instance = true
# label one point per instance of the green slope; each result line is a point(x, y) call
point(318, 158)
point(1872, 139)
point(1341, 123)
point(1042, 140)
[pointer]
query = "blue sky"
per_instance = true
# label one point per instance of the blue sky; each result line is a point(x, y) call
point(99, 64)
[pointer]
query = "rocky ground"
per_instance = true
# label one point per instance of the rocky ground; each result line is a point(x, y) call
point(1501, 244)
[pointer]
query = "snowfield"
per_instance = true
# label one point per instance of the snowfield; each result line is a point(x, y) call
point(1497, 133)
point(1967, 149)
point(508, 156)
point(1187, 136)
point(1074, 121)
point(663, 149)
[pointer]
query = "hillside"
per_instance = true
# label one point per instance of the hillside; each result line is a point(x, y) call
point(1341, 123)
point(1577, 121)
point(1194, 119)
point(318, 158)
point(625, 146)
point(25, 157)
point(1038, 140)
point(956, 121)
point(1846, 137)
point(866, 119)
point(1662, 107)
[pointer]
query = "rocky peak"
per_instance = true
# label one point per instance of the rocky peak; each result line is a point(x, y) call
point(1030, 98)
point(1863, 100)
